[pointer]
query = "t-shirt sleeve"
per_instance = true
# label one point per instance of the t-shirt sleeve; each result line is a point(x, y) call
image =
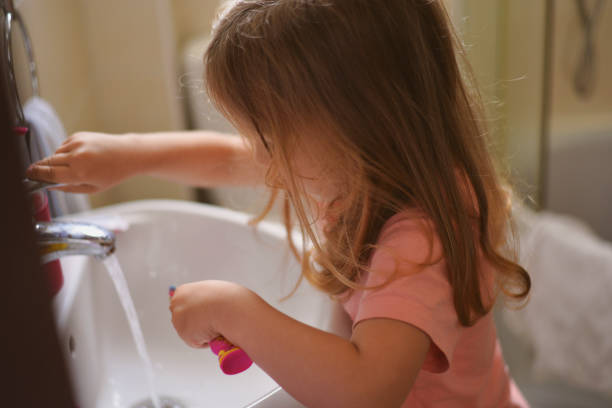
point(417, 295)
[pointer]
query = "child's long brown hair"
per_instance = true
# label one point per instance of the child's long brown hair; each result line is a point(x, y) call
point(376, 85)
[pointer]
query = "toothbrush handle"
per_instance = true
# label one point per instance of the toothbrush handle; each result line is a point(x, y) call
point(232, 359)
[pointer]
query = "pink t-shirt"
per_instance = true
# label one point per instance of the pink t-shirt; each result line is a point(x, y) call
point(464, 366)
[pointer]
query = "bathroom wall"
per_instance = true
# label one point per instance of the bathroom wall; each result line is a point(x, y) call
point(132, 55)
point(578, 163)
point(505, 42)
point(520, 81)
point(572, 114)
point(60, 50)
point(101, 64)
point(192, 18)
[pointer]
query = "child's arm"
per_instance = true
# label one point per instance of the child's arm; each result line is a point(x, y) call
point(91, 162)
point(376, 367)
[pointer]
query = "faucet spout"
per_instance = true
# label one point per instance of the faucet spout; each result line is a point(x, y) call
point(59, 239)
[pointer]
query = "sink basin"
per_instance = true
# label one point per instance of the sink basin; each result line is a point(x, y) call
point(169, 243)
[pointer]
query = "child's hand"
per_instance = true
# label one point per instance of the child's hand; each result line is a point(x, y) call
point(87, 162)
point(198, 307)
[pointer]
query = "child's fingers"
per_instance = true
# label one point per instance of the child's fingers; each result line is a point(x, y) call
point(67, 146)
point(44, 168)
point(185, 336)
point(57, 159)
point(52, 174)
point(195, 344)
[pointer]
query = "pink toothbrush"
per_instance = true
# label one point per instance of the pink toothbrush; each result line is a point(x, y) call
point(232, 359)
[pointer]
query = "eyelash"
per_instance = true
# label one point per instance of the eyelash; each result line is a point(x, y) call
point(263, 140)
point(265, 143)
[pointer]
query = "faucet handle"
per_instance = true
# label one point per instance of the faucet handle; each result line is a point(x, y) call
point(32, 186)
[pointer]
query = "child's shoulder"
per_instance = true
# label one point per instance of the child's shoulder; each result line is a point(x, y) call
point(410, 235)
point(409, 254)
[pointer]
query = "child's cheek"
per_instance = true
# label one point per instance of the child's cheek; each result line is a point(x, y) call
point(262, 157)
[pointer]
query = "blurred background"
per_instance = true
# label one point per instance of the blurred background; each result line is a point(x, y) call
point(119, 66)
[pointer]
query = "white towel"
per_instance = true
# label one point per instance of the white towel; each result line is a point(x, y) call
point(568, 320)
point(47, 134)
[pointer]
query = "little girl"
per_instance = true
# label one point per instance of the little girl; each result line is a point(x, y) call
point(359, 112)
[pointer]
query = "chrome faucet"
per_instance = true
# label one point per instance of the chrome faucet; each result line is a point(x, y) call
point(57, 239)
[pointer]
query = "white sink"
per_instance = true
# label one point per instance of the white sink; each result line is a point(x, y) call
point(170, 243)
